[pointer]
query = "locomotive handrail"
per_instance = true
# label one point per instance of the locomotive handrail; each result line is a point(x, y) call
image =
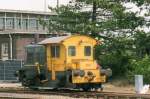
point(77, 60)
point(33, 65)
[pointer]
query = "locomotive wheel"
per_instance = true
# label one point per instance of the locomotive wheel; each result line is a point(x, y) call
point(86, 87)
point(25, 82)
point(102, 89)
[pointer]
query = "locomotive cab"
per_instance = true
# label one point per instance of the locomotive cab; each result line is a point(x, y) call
point(34, 67)
point(72, 56)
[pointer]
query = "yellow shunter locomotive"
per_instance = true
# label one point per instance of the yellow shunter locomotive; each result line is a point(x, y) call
point(61, 62)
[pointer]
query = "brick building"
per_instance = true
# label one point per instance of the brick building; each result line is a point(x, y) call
point(18, 29)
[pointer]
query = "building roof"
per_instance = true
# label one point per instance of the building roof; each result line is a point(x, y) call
point(27, 12)
point(54, 40)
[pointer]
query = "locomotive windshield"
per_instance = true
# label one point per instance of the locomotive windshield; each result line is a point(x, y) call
point(35, 53)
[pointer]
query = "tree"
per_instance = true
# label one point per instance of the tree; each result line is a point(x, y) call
point(104, 16)
point(142, 44)
point(103, 19)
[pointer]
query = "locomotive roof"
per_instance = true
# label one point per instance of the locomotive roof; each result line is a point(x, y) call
point(54, 40)
point(33, 45)
point(58, 39)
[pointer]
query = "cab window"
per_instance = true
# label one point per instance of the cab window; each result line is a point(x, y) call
point(55, 51)
point(35, 53)
point(71, 51)
point(87, 50)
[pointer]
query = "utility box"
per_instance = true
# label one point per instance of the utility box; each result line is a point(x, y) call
point(138, 83)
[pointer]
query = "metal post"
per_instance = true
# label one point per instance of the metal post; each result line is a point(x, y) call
point(45, 5)
point(4, 71)
point(57, 3)
point(10, 46)
point(21, 22)
point(14, 23)
point(28, 22)
point(5, 21)
point(21, 63)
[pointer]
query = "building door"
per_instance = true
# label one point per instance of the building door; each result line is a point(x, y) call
point(4, 51)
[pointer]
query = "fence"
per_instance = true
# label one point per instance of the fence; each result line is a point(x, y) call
point(8, 69)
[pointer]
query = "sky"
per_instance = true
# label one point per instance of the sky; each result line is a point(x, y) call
point(140, 12)
point(39, 5)
point(32, 5)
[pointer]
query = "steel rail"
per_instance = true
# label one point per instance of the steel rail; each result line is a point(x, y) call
point(79, 94)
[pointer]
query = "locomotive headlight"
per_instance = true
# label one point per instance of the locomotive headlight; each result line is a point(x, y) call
point(82, 73)
point(89, 73)
point(75, 72)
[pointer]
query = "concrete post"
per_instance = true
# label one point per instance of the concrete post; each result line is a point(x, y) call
point(138, 83)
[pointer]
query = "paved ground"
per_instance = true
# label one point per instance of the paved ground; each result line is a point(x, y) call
point(33, 96)
point(107, 87)
point(26, 96)
point(10, 85)
point(121, 89)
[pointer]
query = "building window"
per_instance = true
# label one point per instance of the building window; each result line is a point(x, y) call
point(1, 23)
point(25, 24)
point(4, 50)
point(9, 23)
point(87, 51)
point(40, 27)
point(33, 24)
point(55, 51)
point(71, 51)
point(18, 23)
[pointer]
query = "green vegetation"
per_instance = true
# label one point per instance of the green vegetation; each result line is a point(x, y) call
point(140, 66)
point(123, 47)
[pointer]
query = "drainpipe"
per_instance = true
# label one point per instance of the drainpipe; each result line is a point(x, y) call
point(10, 37)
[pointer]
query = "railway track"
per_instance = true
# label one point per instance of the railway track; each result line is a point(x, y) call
point(77, 94)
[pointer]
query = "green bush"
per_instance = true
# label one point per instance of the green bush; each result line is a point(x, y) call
point(140, 67)
point(116, 60)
